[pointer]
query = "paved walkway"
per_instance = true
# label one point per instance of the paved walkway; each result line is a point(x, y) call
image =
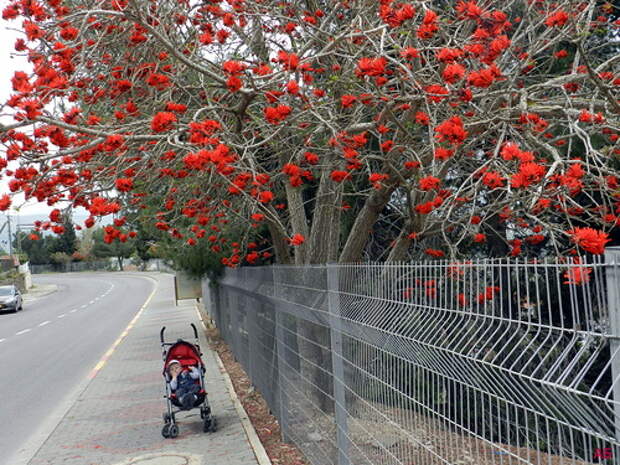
point(117, 418)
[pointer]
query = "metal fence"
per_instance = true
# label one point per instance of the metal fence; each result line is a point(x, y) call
point(101, 265)
point(479, 362)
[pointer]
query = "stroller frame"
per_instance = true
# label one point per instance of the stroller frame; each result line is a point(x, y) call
point(170, 428)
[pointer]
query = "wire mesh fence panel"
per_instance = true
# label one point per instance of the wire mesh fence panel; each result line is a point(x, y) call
point(471, 362)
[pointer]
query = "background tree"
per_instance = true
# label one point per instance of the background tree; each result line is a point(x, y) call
point(67, 240)
point(36, 247)
point(103, 248)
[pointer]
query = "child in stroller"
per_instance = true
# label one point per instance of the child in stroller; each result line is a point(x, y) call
point(184, 383)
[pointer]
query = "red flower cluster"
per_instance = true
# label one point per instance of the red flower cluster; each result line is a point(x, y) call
point(395, 17)
point(529, 173)
point(274, 115)
point(577, 275)
point(429, 25)
point(163, 121)
point(297, 239)
point(124, 184)
point(429, 182)
point(485, 77)
point(5, 202)
point(289, 61)
point(452, 131)
point(371, 67)
point(589, 239)
point(557, 19)
point(453, 73)
point(100, 206)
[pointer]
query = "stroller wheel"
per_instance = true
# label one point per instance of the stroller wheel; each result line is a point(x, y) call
point(173, 431)
point(210, 425)
point(165, 431)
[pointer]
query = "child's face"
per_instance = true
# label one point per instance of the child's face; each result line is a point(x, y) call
point(175, 369)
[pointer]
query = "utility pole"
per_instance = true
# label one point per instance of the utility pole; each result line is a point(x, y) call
point(8, 219)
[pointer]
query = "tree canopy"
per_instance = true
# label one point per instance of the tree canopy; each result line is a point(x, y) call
point(335, 131)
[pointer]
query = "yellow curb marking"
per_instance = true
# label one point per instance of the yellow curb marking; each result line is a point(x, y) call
point(131, 324)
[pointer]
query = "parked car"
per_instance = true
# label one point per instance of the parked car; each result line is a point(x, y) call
point(10, 299)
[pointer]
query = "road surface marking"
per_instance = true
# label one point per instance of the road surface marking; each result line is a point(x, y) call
point(84, 306)
point(111, 350)
point(62, 316)
point(23, 331)
point(2, 340)
point(45, 323)
point(74, 310)
point(91, 302)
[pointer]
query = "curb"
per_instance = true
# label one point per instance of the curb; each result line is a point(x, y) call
point(257, 446)
point(32, 298)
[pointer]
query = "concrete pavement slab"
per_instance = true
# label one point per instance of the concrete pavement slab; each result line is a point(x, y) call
point(117, 418)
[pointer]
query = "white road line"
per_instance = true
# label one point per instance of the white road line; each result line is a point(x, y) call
point(2, 340)
point(45, 323)
point(62, 316)
point(91, 302)
point(23, 331)
point(84, 306)
point(74, 310)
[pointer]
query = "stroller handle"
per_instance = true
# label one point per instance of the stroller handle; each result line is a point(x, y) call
point(195, 330)
point(161, 334)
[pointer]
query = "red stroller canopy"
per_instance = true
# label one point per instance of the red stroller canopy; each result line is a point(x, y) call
point(185, 353)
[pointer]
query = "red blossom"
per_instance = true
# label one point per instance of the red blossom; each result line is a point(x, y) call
point(371, 66)
point(577, 275)
point(453, 73)
point(589, 239)
point(124, 184)
point(429, 182)
point(297, 239)
point(275, 115)
point(347, 100)
point(5, 202)
point(557, 19)
point(163, 121)
point(452, 131)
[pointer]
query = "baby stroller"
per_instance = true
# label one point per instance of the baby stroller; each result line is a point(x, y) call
point(187, 355)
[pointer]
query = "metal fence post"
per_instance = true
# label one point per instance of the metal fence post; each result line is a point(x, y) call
point(335, 330)
point(252, 329)
point(281, 364)
point(612, 276)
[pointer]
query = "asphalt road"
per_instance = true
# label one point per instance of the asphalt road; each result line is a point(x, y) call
point(48, 350)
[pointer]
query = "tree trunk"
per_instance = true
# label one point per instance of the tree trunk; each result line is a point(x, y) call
point(358, 237)
point(120, 262)
point(280, 246)
point(401, 245)
point(298, 220)
point(325, 231)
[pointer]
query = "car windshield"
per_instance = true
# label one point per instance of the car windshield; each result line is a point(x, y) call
point(4, 291)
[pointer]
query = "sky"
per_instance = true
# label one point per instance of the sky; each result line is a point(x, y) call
point(9, 64)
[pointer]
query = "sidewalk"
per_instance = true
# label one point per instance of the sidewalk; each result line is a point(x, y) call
point(117, 418)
